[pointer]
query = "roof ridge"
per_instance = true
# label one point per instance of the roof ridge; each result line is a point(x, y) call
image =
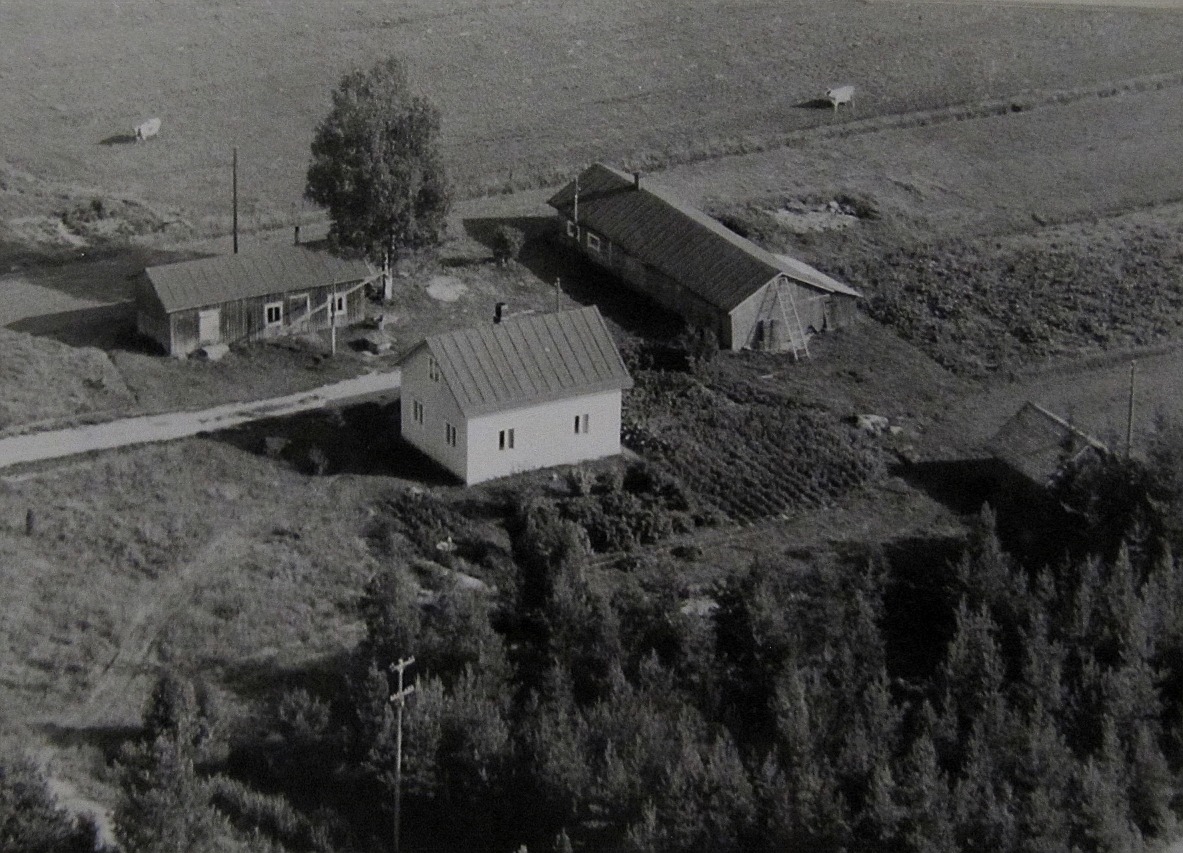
point(533, 358)
point(650, 222)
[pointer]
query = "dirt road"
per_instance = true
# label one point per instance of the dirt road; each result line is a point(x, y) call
point(150, 428)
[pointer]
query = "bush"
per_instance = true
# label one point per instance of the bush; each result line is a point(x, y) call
point(268, 814)
point(318, 461)
point(507, 244)
point(420, 517)
point(30, 819)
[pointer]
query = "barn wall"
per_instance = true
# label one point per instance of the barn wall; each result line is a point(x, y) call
point(843, 310)
point(544, 435)
point(819, 312)
point(439, 409)
point(244, 320)
point(151, 319)
point(661, 288)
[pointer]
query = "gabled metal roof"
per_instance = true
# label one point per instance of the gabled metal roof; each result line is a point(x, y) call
point(1040, 445)
point(262, 272)
point(804, 273)
point(528, 359)
point(702, 254)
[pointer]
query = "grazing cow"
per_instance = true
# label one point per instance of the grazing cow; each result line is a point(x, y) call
point(146, 130)
point(840, 95)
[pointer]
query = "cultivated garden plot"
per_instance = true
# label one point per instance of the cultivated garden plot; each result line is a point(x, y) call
point(749, 451)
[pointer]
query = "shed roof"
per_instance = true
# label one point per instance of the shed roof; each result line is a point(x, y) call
point(1039, 445)
point(528, 359)
point(708, 258)
point(281, 269)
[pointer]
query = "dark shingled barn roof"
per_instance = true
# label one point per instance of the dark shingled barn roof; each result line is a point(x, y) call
point(528, 359)
point(263, 272)
point(706, 257)
point(1039, 445)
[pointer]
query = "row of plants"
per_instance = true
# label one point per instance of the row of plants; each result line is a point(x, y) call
point(751, 452)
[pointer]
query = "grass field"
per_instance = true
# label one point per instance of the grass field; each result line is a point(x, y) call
point(525, 88)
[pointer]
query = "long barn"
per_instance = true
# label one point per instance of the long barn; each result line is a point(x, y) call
point(697, 268)
point(236, 298)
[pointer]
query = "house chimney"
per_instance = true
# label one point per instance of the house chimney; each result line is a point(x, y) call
point(498, 310)
point(636, 180)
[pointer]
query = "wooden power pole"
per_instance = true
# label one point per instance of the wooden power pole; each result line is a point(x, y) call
point(234, 191)
point(399, 698)
point(1129, 422)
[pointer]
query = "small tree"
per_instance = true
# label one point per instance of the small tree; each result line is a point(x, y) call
point(376, 165)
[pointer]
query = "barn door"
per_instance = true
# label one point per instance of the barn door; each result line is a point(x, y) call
point(208, 326)
point(298, 309)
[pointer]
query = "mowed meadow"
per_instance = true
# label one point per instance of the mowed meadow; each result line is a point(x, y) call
point(528, 90)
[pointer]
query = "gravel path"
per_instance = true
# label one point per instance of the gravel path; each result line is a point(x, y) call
point(150, 428)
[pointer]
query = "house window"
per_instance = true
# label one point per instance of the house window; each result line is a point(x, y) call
point(449, 434)
point(581, 423)
point(505, 439)
point(339, 306)
point(273, 312)
point(572, 229)
point(593, 242)
point(417, 411)
point(433, 369)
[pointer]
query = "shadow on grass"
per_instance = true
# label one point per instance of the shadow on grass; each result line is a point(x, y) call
point(107, 739)
point(119, 139)
point(815, 104)
point(107, 327)
point(546, 257)
point(364, 438)
point(962, 485)
point(267, 680)
point(1031, 524)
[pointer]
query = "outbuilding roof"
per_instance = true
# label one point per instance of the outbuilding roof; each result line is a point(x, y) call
point(528, 359)
point(702, 254)
point(1039, 445)
point(262, 272)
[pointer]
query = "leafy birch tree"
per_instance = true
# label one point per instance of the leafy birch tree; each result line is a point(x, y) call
point(376, 165)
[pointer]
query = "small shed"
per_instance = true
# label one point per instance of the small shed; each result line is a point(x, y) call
point(696, 267)
point(1040, 447)
point(530, 391)
point(255, 295)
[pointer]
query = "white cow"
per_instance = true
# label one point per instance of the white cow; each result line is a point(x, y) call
point(146, 130)
point(840, 95)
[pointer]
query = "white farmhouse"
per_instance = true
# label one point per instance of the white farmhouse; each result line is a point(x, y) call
point(529, 392)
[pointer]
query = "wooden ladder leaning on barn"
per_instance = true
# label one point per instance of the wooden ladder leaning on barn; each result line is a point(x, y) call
point(798, 339)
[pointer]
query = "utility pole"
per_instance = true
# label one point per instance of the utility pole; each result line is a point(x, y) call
point(333, 321)
point(234, 190)
point(558, 291)
point(1129, 423)
point(399, 698)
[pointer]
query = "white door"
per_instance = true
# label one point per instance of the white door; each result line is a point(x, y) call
point(208, 323)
